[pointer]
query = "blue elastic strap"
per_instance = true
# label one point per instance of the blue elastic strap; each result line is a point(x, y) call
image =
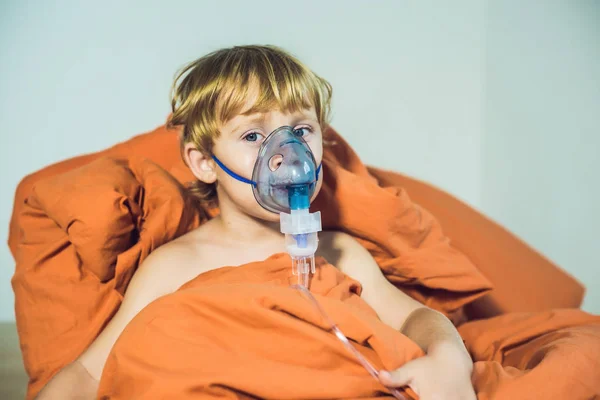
point(241, 178)
point(231, 173)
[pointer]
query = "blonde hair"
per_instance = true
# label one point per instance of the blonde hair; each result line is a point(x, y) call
point(211, 90)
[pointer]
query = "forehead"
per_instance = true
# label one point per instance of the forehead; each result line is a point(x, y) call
point(275, 116)
point(255, 97)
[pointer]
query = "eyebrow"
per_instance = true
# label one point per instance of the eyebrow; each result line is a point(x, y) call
point(251, 120)
point(303, 113)
point(297, 117)
point(305, 117)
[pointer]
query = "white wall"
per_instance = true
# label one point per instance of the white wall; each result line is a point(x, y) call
point(541, 149)
point(77, 77)
point(81, 76)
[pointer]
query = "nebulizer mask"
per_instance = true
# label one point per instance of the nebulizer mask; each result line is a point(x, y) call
point(284, 179)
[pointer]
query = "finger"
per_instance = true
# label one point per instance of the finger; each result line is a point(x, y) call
point(398, 395)
point(400, 377)
point(394, 391)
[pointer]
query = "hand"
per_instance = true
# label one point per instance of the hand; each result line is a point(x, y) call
point(444, 374)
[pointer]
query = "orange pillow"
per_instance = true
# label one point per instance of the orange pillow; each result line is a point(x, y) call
point(83, 234)
point(524, 280)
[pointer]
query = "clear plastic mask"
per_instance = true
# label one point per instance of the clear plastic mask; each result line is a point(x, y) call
point(285, 169)
point(284, 162)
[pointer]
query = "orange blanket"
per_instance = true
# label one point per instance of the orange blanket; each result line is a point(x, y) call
point(242, 332)
point(85, 231)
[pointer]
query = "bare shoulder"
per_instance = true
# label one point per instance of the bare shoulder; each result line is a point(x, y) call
point(173, 264)
point(350, 257)
point(182, 249)
point(346, 253)
point(340, 241)
point(161, 273)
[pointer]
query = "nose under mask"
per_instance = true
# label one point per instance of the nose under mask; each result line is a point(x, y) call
point(285, 173)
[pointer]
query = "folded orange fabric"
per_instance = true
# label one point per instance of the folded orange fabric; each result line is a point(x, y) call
point(543, 355)
point(83, 233)
point(509, 263)
point(242, 332)
point(86, 231)
point(81, 229)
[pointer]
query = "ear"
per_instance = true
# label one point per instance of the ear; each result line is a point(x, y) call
point(201, 164)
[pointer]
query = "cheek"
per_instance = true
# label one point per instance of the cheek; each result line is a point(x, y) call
point(316, 146)
point(318, 188)
point(237, 156)
point(239, 192)
point(318, 156)
point(242, 196)
point(249, 159)
point(243, 164)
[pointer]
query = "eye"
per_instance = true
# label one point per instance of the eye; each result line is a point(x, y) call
point(301, 131)
point(252, 137)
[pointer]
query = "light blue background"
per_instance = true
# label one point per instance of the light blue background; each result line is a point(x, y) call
point(495, 101)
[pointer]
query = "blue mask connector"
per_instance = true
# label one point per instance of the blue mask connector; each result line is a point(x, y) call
point(299, 200)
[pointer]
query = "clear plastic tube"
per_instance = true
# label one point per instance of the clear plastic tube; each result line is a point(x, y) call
point(342, 338)
point(303, 267)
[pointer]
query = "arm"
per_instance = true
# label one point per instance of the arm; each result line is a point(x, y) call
point(447, 367)
point(154, 278)
point(424, 326)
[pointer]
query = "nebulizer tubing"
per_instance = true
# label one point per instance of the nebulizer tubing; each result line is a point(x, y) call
point(345, 341)
point(301, 229)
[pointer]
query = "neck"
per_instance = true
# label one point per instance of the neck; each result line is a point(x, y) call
point(241, 227)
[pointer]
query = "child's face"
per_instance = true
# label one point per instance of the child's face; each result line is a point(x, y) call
point(237, 147)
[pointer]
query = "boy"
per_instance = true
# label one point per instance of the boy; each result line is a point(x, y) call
point(227, 103)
